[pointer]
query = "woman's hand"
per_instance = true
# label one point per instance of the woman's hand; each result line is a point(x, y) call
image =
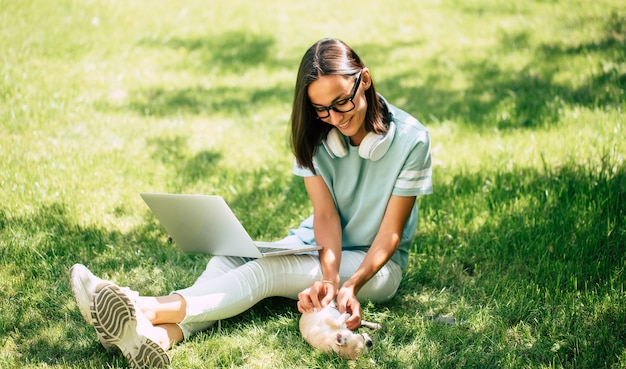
point(348, 303)
point(316, 297)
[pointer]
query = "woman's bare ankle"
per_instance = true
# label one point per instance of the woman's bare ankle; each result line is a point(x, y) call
point(163, 309)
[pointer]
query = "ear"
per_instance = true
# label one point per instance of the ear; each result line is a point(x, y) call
point(366, 78)
point(340, 341)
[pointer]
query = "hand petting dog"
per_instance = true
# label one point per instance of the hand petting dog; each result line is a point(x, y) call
point(327, 325)
point(322, 293)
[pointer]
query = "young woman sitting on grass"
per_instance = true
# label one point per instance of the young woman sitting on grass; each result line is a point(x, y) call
point(363, 162)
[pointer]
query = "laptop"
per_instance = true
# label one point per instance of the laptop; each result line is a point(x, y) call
point(206, 224)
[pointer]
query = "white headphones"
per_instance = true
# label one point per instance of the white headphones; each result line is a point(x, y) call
point(373, 146)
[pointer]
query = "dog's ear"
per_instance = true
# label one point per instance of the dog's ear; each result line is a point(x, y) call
point(340, 341)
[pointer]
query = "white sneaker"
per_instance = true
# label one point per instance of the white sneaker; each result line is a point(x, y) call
point(84, 285)
point(120, 323)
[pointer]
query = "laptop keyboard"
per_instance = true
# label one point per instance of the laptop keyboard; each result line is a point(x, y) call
point(265, 250)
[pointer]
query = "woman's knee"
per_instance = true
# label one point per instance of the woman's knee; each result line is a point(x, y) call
point(384, 285)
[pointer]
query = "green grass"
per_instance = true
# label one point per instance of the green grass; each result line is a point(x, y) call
point(524, 237)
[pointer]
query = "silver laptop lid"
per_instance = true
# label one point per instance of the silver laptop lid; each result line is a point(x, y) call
point(201, 224)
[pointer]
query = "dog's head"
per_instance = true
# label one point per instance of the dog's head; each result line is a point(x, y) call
point(351, 345)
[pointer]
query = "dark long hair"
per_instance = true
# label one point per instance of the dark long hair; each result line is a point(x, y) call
point(326, 57)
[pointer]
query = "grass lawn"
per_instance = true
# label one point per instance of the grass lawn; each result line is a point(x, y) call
point(524, 237)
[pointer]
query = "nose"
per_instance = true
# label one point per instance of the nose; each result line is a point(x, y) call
point(367, 340)
point(335, 117)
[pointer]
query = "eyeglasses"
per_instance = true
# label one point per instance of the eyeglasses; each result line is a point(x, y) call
point(341, 106)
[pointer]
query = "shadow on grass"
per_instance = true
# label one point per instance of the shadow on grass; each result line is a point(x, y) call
point(39, 322)
point(173, 153)
point(200, 100)
point(533, 260)
point(230, 52)
point(525, 98)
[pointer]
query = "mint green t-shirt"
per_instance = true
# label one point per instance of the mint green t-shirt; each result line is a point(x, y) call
point(361, 187)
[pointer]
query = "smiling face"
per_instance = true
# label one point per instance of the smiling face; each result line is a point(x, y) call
point(336, 90)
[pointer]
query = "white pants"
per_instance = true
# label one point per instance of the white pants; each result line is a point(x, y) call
point(232, 285)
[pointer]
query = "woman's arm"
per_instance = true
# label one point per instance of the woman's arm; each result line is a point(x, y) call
point(385, 244)
point(327, 230)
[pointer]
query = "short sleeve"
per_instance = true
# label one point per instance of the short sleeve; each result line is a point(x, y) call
point(415, 178)
point(301, 171)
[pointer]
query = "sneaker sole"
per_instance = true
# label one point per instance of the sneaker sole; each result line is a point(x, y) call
point(78, 297)
point(114, 318)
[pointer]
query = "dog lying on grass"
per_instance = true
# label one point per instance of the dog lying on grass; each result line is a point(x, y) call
point(326, 330)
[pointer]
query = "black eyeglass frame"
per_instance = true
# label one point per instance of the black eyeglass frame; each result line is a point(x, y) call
point(321, 109)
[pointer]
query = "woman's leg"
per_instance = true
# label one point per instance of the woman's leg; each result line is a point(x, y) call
point(241, 288)
point(382, 287)
point(165, 312)
point(172, 308)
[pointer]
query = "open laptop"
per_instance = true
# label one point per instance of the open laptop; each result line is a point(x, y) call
point(206, 224)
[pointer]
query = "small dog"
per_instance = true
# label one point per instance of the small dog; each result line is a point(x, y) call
point(326, 330)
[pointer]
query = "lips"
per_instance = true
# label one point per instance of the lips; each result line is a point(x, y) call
point(344, 125)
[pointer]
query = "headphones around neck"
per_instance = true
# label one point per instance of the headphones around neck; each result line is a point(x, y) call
point(373, 147)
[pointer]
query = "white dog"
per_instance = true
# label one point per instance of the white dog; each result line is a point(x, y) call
point(326, 330)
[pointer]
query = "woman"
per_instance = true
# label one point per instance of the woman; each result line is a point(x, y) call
point(363, 161)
